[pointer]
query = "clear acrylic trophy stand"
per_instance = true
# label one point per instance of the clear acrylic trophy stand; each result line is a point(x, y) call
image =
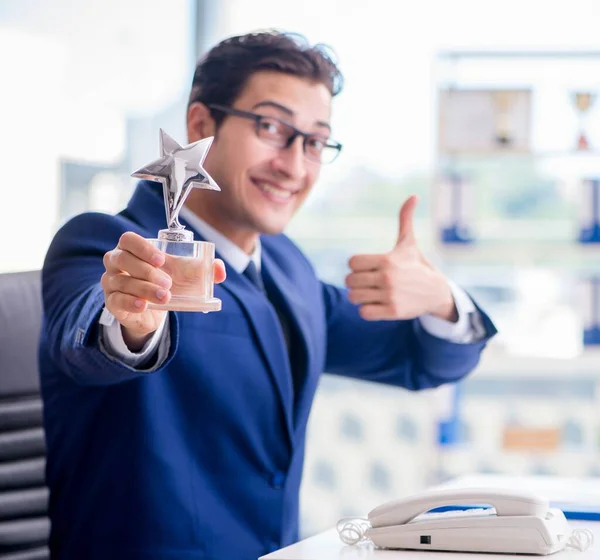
point(189, 263)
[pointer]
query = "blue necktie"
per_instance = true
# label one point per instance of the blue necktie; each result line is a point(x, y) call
point(255, 277)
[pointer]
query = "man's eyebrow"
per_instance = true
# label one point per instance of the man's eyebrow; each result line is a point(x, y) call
point(276, 105)
point(285, 110)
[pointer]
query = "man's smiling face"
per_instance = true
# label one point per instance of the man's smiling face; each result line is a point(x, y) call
point(264, 185)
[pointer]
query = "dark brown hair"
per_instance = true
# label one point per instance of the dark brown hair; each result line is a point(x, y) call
point(222, 73)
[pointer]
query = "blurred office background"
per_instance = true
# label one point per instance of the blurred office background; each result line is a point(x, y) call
point(487, 110)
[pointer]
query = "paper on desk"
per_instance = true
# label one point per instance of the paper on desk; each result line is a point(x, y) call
point(573, 495)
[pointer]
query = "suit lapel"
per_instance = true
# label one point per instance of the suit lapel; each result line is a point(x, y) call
point(147, 207)
point(268, 332)
point(298, 312)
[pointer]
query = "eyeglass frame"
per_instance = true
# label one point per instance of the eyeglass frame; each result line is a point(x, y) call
point(257, 117)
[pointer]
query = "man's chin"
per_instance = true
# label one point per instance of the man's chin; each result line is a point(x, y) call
point(272, 229)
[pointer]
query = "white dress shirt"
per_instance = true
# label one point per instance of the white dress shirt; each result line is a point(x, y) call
point(468, 328)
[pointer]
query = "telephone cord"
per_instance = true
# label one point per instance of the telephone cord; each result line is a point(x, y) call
point(581, 539)
point(352, 529)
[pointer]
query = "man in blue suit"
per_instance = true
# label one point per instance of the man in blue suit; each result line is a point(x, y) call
point(181, 435)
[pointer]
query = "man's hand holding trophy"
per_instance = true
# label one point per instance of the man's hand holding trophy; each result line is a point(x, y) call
point(145, 278)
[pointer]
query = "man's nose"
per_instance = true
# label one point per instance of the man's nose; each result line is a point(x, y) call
point(291, 160)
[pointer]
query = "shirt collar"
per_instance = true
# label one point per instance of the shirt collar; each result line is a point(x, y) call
point(230, 252)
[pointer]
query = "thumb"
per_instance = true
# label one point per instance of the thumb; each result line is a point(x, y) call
point(219, 271)
point(406, 231)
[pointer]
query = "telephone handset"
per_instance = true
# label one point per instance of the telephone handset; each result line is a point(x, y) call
point(504, 502)
point(517, 522)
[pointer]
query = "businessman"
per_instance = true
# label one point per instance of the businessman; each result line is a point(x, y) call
point(181, 435)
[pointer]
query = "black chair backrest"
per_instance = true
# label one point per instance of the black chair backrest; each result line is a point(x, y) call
point(24, 526)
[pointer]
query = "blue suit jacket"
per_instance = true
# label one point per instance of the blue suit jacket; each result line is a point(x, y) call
point(201, 458)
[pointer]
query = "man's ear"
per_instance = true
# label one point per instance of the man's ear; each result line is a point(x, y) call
point(200, 124)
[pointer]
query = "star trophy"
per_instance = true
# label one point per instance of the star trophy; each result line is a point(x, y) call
point(189, 263)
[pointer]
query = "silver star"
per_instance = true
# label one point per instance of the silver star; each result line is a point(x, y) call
point(179, 169)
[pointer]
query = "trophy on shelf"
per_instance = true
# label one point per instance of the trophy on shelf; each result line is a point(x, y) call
point(589, 210)
point(583, 101)
point(589, 302)
point(503, 101)
point(454, 209)
point(189, 263)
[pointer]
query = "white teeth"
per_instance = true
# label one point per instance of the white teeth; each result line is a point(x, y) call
point(281, 193)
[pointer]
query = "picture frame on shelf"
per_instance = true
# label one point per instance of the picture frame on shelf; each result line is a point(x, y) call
point(484, 121)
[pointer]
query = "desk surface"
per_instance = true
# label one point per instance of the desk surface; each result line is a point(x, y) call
point(327, 546)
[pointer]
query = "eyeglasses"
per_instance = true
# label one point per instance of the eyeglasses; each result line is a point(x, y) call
point(281, 134)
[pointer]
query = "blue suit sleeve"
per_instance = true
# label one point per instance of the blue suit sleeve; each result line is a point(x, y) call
point(73, 300)
point(399, 353)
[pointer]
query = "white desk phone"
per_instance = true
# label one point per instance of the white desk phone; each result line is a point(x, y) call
point(517, 522)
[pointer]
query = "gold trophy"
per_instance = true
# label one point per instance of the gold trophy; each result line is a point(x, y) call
point(503, 101)
point(583, 101)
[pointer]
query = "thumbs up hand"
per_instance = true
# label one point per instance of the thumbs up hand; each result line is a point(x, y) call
point(400, 284)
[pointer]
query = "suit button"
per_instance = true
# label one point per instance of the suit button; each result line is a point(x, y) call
point(277, 480)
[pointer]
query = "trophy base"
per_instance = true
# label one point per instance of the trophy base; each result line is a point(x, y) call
point(190, 266)
point(182, 303)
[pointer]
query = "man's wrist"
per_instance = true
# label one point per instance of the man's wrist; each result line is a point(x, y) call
point(447, 313)
point(134, 341)
point(447, 309)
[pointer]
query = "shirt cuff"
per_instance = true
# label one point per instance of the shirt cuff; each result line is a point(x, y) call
point(113, 344)
point(467, 329)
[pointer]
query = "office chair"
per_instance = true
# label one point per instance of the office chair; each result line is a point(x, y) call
point(24, 526)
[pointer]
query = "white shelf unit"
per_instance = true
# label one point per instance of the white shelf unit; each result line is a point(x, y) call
point(496, 364)
point(512, 236)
